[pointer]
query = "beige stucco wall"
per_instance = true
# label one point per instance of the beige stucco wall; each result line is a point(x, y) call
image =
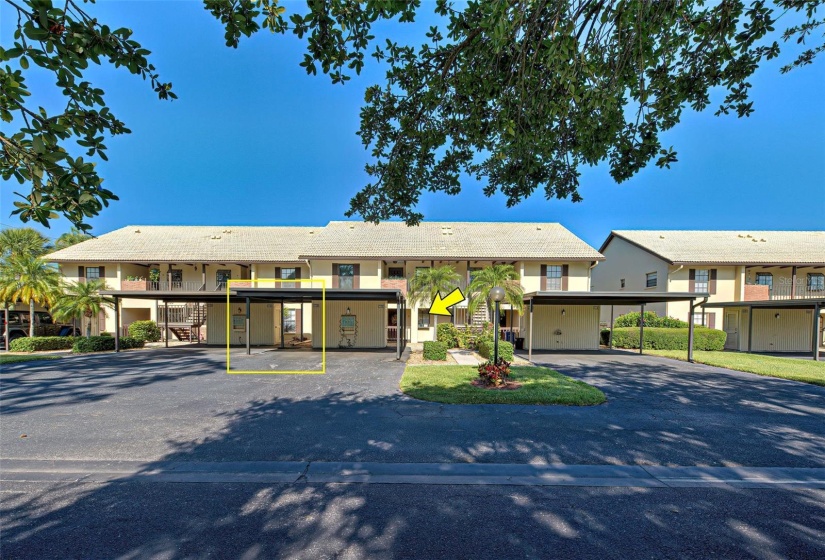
point(578, 327)
point(578, 279)
point(625, 260)
point(370, 272)
point(727, 288)
point(371, 319)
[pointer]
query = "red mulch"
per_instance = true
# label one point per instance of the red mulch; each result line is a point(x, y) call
point(508, 386)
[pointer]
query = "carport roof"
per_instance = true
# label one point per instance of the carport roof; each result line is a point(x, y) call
point(771, 303)
point(287, 294)
point(609, 298)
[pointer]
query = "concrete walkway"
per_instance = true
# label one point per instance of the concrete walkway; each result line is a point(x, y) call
point(464, 357)
point(410, 473)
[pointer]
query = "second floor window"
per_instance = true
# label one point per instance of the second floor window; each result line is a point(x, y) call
point(92, 273)
point(288, 274)
point(764, 279)
point(651, 279)
point(554, 273)
point(701, 282)
point(222, 277)
point(816, 282)
point(395, 273)
point(346, 272)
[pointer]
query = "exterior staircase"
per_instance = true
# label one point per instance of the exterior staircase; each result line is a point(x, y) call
point(184, 320)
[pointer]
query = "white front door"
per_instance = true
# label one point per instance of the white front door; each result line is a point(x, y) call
point(732, 329)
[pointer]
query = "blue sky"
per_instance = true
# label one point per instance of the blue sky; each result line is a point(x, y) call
point(253, 140)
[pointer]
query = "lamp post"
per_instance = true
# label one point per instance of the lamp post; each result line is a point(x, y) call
point(497, 295)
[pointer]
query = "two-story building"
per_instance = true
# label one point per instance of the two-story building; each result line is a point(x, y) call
point(767, 288)
point(178, 276)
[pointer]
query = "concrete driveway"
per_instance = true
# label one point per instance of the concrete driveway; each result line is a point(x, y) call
point(179, 404)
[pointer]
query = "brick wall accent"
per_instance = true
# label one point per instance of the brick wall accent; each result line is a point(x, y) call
point(395, 284)
point(757, 292)
point(134, 285)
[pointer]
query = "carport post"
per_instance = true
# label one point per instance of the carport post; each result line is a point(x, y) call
point(815, 339)
point(642, 330)
point(117, 324)
point(282, 322)
point(6, 325)
point(166, 322)
point(247, 326)
point(530, 338)
point(750, 328)
point(610, 335)
point(690, 331)
point(397, 328)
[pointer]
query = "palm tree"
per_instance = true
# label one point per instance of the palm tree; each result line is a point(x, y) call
point(70, 238)
point(22, 241)
point(427, 282)
point(30, 279)
point(486, 279)
point(82, 299)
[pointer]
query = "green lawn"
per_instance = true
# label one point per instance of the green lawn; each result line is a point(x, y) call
point(17, 358)
point(807, 371)
point(451, 384)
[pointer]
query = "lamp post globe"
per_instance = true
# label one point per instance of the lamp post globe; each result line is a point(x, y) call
point(497, 295)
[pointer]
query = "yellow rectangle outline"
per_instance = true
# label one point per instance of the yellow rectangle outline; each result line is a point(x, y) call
point(323, 327)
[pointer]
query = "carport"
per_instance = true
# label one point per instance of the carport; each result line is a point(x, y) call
point(246, 297)
point(748, 307)
point(562, 298)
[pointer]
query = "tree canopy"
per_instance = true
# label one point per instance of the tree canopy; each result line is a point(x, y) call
point(519, 94)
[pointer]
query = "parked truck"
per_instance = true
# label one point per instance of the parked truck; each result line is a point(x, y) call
point(44, 325)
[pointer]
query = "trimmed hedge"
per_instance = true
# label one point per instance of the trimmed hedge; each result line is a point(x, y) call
point(448, 334)
point(104, 344)
point(148, 331)
point(505, 350)
point(651, 320)
point(41, 343)
point(670, 339)
point(435, 350)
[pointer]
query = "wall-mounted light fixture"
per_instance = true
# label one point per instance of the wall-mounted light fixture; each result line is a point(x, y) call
point(348, 312)
point(776, 316)
point(563, 312)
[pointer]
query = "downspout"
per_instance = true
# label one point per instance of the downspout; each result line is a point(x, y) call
point(590, 275)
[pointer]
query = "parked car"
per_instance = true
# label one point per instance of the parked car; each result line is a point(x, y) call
point(44, 325)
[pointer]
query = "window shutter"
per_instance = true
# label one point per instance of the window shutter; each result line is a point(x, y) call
point(278, 277)
point(543, 284)
point(297, 272)
point(712, 282)
point(356, 273)
point(692, 280)
point(334, 275)
point(711, 317)
point(565, 269)
point(102, 270)
point(81, 274)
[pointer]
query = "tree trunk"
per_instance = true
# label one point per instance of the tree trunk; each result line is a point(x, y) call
point(88, 327)
point(6, 326)
point(31, 317)
point(435, 335)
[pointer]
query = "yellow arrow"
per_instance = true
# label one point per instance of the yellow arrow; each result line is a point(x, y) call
point(440, 305)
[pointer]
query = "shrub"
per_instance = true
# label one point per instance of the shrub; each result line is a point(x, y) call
point(103, 344)
point(505, 350)
point(651, 320)
point(41, 343)
point(147, 331)
point(448, 334)
point(435, 350)
point(494, 375)
point(669, 339)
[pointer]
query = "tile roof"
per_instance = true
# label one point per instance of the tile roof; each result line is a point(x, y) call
point(733, 247)
point(449, 240)
point(430, 240)
point(244, 244)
